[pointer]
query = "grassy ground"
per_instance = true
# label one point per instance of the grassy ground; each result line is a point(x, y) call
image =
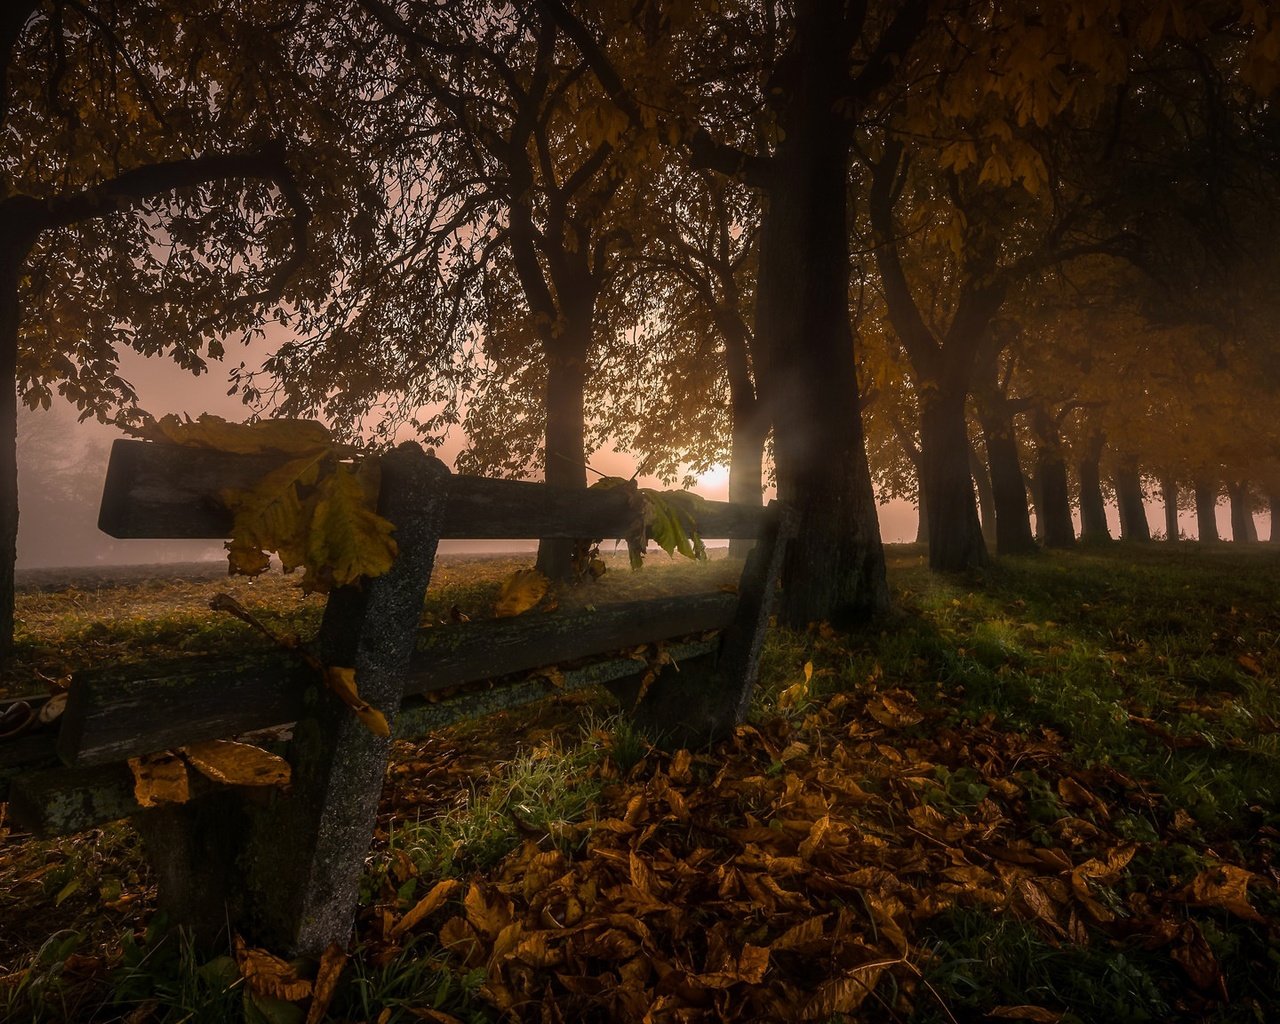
point(1043, 792)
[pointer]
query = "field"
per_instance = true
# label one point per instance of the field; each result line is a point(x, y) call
point(1043, 792)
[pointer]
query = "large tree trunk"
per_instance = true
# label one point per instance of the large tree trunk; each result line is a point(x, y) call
point(566, 460)
point(746, 477)
point(1169, 494)
point(922, 511)
point(750, 425)
point(955, 535)
point(835, 566)
point(1243, 530)
point(1093, 508)
point(11, 258)
point(1008, 486)
point(1054, 506)
point(1133, 512)
point(986, 499)
point(1206, 511)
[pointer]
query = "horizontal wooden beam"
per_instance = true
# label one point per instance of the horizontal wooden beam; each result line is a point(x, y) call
point(56, 801)
point(112, 717)
point(165, 491)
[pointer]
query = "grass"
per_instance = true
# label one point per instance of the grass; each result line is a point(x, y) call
point(1152, 673)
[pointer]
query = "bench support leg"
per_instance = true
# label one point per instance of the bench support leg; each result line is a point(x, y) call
point(298, 855)
point(693, 708)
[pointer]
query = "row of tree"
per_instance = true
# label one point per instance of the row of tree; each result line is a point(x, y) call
point(700, 228)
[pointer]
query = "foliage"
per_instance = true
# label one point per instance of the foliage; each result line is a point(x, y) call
point(313, 511)
point(1048, 788)
point(667, 518)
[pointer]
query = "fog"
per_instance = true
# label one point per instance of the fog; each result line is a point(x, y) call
point(62, 464)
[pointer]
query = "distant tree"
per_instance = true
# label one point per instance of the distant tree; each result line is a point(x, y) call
point(157, 191)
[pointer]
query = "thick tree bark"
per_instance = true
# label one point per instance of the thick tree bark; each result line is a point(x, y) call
point(11, 258)
point(1053, 499)
point(1206, 511)
point(955, 534)
point(835, 566)
point(1054, 505)
point(922, 512)
point(1008, 485)
point(1243, 530)
point(986, 497)
point(1093, 508)
point(1169, 494)
point(1133, 512)
point(566, 460)
point(750, 426)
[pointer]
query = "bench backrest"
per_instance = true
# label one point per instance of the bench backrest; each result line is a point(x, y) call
point(420, 679)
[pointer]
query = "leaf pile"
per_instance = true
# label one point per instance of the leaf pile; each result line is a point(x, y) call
point(315, 511)
point(793, 874)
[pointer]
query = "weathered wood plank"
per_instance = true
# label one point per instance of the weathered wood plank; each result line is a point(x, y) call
point(59, 801)
point(420, 715)
point(51, 800)
point(450, 655)
point(111, 717)
point(164, 491)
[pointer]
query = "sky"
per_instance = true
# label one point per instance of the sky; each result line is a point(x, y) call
point(60, 532)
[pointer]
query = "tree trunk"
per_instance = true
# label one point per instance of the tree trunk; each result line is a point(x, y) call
point(746, 478)
point(986, 498)
point(1093, 509)
point(922, 512)
point(835, 566)
point(1054, 506)
point(566, 460)
point(1008, 486)
point(955, 535)
point(1273, 501)
point(1243, 530)
point(1133, 513)
point(11, 258)
point(1169, 492)
point(1206, 511)
point(750, 426)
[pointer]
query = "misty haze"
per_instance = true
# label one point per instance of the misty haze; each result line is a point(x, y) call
point(643, 511)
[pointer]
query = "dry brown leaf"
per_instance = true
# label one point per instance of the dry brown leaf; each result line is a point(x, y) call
point(159, 778)
point(487, 917)
point(342, 681)
point(1250, 664)
point(1038, 1014)
point(520, 591)
point(1225, 887)
point(268, 975)
point(892, 714)
point(52, 709)
point(326, 984)
point(842, 995)
point(429, 904)
point(237, 764)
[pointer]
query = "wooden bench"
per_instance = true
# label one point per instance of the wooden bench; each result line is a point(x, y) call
point(283, 866)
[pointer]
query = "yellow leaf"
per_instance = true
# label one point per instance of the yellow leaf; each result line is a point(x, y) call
point(520, 591)
point(426, 906)
point(342, 681)
point(268, 975)
point(326, 983)
point(237, 764)
point(159, 778)
point(285, 436)
point(347, 539)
